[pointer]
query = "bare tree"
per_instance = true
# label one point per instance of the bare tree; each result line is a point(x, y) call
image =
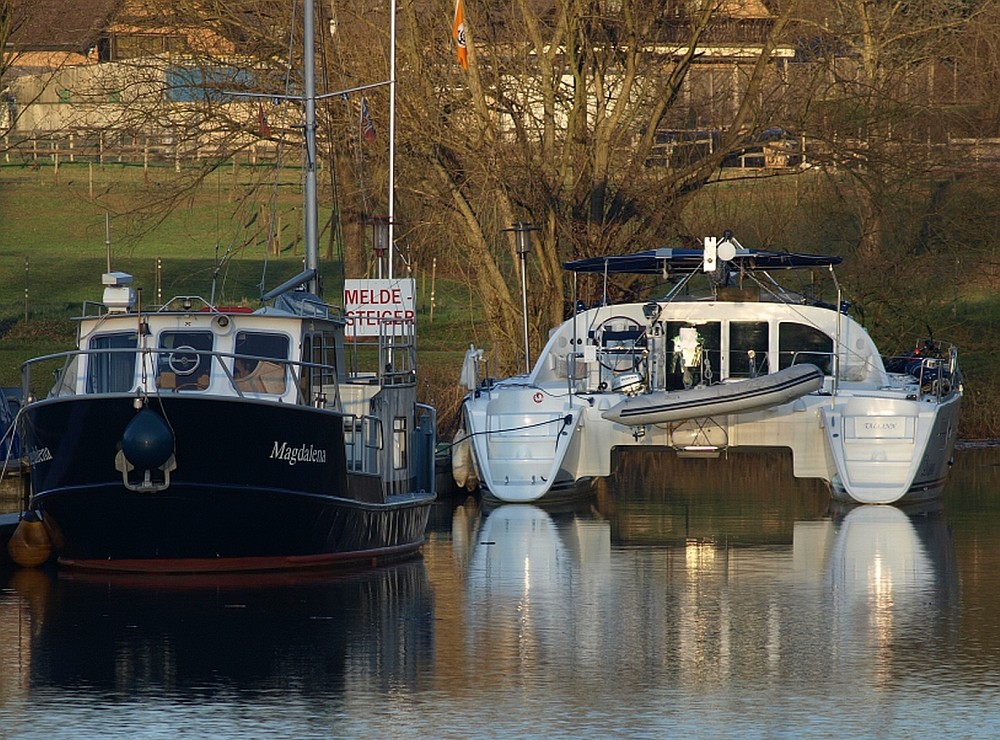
point(176, 77)
point(557, 120)
point(598, 121)
point(880, 116)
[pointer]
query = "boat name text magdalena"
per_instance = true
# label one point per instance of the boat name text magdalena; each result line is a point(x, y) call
point(292, 455)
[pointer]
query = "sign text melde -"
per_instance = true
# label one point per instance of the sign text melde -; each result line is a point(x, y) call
point(371, 303)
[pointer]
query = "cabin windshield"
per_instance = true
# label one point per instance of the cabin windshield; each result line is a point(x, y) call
point(748, 348)
point(260, 362)
point(185, 360)
point(696, 356)
point(108, 370)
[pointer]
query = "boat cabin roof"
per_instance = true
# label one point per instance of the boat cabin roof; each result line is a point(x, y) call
point(656, 261)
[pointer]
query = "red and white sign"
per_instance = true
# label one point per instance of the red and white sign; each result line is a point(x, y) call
point(371, 303)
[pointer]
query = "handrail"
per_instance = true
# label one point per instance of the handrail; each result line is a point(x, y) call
point(936, 375)
point(364, 439)
point(294, 367)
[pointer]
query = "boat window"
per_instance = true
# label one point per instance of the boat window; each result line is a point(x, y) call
point(108, 369)
point(399, 442)
point(695, 354)
point(251, 371)
point(748, 341)
point(181, 367)
point(320, 348)
point(798, 344)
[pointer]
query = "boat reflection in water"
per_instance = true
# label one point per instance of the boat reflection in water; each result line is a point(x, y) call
point(711, 586)
point(202, 637)
point(527, 566)
point(519, 547)
point(674, 604)
point(871, 556)
point(888, 576)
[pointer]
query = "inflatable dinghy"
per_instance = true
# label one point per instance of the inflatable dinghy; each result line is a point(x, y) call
point(723, 398)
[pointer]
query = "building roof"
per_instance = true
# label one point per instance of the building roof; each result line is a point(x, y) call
point(744, 9)
point(59, 25)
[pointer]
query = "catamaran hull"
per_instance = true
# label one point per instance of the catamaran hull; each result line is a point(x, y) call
point(902, 455)
point(249, 486)
point(868, 450)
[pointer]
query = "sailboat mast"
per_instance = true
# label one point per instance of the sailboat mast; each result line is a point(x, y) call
point(392, 130)
point(309, 95)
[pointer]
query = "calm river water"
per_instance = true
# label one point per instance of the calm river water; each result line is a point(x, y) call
point(687, 598)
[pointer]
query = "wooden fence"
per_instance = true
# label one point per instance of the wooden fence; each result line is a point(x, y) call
point(50, 149)
point(103, 148)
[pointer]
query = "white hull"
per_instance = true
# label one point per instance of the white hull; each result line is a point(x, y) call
point(886, 453)
point(883, 469)
point(874, 436)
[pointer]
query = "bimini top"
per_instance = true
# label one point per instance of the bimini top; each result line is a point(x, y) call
point(656, 261)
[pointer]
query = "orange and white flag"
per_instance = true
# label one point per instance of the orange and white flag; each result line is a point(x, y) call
point(458, 33)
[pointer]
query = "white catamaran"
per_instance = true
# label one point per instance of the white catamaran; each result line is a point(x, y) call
point(748, 363)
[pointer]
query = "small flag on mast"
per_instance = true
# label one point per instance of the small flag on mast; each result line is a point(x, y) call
point(367, 126)
point(458, 33)
point(262, 126)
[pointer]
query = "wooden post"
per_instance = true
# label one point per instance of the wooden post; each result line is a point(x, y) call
point(434, 267)
point(90, 179)
point(26, 288)
point(145, 160)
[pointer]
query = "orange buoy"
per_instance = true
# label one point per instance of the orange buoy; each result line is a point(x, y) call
point(30, 545)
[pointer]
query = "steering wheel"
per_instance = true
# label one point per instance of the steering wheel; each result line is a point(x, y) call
point(183, 360)
point(624, 355)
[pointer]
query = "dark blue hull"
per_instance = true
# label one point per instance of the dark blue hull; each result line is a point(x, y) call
point(255, 486)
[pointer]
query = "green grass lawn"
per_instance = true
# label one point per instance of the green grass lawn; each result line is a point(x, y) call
point(53, 250)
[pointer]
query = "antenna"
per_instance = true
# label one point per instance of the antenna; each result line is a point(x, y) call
point(107, 237)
